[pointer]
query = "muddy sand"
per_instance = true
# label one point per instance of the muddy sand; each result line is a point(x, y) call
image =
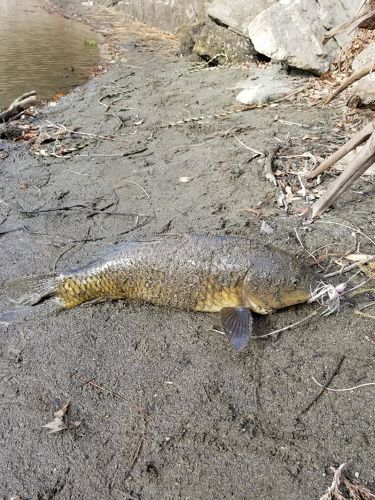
point(167, 408)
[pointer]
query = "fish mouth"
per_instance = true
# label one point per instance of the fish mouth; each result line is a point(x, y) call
point(295, 297)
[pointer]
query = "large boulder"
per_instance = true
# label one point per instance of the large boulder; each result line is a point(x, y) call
point(237, 13)
point(291, 31)
point(221, 45)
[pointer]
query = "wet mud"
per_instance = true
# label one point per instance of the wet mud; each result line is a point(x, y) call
point(167, 408)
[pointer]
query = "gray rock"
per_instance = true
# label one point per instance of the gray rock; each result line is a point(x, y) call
point(363, 93)
point(367, 56)
point(218, 41)
point(265, 85)
point(237, 14)
point(291, 31)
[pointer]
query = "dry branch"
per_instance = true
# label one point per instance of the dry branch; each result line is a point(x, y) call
point(363, 161)
point(365, 70)
point(365, 21)
point(355, 141)
point(18, 105)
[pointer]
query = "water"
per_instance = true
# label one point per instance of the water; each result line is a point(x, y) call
point(41, 51)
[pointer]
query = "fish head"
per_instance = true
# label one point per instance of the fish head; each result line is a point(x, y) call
point(277, 280)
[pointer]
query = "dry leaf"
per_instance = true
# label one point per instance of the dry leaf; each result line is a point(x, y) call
point(57, 424)
point(62, 412)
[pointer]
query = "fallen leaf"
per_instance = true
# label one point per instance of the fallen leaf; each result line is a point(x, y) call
point(62, 412)
point(58, 424)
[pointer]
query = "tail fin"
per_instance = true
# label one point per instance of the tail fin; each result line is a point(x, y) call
point(25, 313)
point(31, 290)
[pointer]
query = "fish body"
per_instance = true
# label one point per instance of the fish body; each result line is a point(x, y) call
point(230, 275)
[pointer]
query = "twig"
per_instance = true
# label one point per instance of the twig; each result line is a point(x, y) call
point(323, 387)
point(341, 271)
point(136, 184)
point(289, 326)
point(364, 315)
point(258, 153)
point(268, 171)
point(63, 129)
point(345, 389)
point(91, 382)
point(286, 122)
point(61, 255)
point(119, 155)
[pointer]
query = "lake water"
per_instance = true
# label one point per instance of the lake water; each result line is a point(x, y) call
point(41, 51)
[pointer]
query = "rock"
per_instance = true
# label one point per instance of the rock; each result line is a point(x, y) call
point(188, 34)
point(265, 85)
point(363, 92)
point(218, 41)
point(291, 31)
point(237, 14)
point(363, 95)
point(266, 229)
point(365, 57)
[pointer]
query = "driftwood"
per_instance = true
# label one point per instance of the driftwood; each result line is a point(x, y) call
point(18, 106)
point(364, 159)
point(355, 141)
point(364, 18)
point(365, 70)
point(366, 21)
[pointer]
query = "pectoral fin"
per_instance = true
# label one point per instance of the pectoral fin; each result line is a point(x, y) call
point(237, 323)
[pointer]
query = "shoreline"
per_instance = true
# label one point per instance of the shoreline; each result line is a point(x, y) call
point(103, 167)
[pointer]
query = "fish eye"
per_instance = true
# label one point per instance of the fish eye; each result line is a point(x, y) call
point(295, 280)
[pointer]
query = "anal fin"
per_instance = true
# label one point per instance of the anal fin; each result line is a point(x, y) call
point(237, 323)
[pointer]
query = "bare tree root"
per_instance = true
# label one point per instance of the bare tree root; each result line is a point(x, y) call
point(363, 161)
point(365, 70)
point(355, 141)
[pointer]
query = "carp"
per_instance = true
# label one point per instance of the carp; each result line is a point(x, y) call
point(230, 275)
